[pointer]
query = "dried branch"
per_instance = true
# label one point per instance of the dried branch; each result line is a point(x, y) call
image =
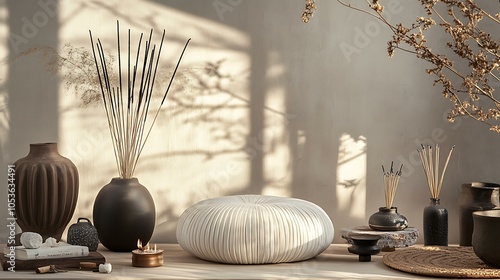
point(469, 88)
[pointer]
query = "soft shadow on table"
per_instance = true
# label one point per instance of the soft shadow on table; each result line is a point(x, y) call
point(334, 263)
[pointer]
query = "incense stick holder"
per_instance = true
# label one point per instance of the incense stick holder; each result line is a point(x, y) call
point(365, 245)
point(387, 219)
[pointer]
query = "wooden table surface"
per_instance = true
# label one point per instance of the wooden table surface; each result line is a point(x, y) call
point(335, 263)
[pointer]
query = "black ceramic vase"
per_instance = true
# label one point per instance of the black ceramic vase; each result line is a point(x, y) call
point(46, 191)
point(435, 224)
point(387, 219)
point(124, 212)
point(476, 196)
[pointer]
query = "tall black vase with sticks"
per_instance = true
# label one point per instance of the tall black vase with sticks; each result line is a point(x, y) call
point(435, 219)
point(124, 211)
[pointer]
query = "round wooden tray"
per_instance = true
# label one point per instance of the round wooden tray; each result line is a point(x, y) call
point(440, 261)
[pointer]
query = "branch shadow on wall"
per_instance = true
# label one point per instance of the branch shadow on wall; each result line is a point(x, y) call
point(311, 137)
point(203, 97)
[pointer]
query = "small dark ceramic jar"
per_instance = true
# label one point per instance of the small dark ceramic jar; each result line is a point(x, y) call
point(435, 224)
point(387, 219)
point(475, 196)
point(485, 236)
point(83, 234)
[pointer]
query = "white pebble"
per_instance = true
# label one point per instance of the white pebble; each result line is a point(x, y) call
point(51, 242)
point(105, 268)
point(31, 240)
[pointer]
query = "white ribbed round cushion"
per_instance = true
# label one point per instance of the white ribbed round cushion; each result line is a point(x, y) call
point(254, 229)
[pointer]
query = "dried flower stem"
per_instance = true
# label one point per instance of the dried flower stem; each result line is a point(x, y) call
point(477, 51)
point(308, 11)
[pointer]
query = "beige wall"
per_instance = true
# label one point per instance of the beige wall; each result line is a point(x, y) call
point(302, 110)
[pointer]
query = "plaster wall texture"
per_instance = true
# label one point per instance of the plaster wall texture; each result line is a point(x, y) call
point(262, 104)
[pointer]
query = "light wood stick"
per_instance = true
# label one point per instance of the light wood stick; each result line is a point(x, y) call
point(444, 169)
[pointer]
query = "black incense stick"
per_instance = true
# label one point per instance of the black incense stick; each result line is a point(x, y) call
point(128, 119)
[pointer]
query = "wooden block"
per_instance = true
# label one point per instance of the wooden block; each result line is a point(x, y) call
point(69, 263)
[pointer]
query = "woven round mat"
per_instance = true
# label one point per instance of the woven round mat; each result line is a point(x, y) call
point(452, 262)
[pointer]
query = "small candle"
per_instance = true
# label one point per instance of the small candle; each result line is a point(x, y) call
point(147, 257)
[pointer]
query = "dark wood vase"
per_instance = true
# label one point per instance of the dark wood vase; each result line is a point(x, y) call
point(46, 191)
point(124, 212)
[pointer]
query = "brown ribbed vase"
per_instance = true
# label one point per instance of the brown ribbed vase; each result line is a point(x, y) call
point(46, 191)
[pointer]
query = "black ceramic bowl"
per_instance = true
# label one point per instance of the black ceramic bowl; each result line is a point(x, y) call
point(485, 236)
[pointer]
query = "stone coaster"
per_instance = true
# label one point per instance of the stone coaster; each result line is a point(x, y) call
point(389, 240)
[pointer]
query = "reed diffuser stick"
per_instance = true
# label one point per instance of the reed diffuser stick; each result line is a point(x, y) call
point(391, 181)
point(127, 110)
point(430, 164)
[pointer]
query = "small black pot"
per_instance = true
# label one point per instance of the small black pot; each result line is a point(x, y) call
point(124, 212)
point(485, 236)
point(388, 219)
point(365, 245)
point(476, 196)
point(83, 234)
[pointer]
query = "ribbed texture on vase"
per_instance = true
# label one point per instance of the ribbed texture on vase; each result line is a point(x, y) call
point(46, 191)
point(254, 229)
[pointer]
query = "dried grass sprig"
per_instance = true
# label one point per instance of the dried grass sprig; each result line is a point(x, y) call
point(430, 164)
point(127, 110)
point(391, 181)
